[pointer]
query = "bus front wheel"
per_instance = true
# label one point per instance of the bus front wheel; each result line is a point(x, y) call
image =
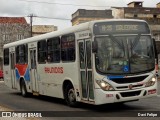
point(23, 89)
point(70, 96)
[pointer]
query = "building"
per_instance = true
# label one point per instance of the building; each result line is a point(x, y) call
point(135, 10)
point(12, 29)
point(42, 29)
point(82, 15)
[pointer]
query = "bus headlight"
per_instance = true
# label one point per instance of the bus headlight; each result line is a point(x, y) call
point(150, 82)
point(104, 85)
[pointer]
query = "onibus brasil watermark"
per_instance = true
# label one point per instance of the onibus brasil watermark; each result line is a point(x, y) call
point(39, 114)
point(21, 114)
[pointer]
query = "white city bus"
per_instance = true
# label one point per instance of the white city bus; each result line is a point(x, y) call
point(97, 62)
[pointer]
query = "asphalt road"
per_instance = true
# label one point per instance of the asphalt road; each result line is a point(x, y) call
point(56, 107)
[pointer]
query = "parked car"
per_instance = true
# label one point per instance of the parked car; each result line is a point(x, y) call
point(1, 74)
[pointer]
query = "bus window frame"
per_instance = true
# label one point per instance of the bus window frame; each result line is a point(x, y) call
point(22, 54)
point(66, 49)
point(44, 51)
point(6, 56)
point(51, 53)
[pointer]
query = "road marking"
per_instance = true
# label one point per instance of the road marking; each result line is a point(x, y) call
point(158, 95)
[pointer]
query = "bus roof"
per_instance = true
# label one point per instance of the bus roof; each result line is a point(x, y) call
point(76, 28)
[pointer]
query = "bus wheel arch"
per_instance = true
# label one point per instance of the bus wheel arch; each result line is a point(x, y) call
point(69, 93)
point(23, 88)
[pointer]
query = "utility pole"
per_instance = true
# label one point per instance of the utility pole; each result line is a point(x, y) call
point(31, 21)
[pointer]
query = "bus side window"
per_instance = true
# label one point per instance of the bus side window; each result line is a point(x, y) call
point(53, 50)
point(42, 52)
point(6, 56)
point(26, 53)
point(21, 54)
point(68, 47)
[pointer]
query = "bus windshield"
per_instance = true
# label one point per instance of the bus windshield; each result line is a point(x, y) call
point(124, 54)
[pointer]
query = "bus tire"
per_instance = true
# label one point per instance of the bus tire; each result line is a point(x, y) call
point(70, 96)
point(24, 92)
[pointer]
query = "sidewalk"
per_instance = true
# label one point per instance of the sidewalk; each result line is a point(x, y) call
point(9, 118)
point(5, 109)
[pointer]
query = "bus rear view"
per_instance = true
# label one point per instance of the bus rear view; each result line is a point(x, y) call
point(124, 61)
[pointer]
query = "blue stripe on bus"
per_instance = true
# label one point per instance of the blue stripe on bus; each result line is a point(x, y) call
point(17, 74)
point(27, 76)
point(113, 77)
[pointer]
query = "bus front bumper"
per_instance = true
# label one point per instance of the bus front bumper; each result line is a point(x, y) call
point(103, 97)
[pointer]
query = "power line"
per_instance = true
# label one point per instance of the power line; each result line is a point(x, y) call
point(31, 20)
point(52, 18)
point(61, 3)
point(47, 17)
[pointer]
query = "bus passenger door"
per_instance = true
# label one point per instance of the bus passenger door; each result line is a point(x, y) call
point(13, 77)
point(33, 69)
point(86, 69)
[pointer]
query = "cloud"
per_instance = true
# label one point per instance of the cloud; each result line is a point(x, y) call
point(12, 8)
point(23, 8)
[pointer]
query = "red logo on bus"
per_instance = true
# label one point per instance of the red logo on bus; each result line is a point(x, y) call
point(53, 70)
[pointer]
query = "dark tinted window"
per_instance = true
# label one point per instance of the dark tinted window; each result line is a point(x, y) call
point(21, 54)
point(42, 51)
point(53, 50)
point(68, 47)
point(6, 56)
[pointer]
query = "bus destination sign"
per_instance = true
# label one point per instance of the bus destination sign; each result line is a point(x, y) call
point(119, 27)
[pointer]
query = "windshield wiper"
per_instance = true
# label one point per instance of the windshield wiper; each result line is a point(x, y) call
point(136, 40)
point(121, 46)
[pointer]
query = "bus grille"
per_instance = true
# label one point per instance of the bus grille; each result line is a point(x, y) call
point(130, 94)
point(129, 80)
point(126, 87)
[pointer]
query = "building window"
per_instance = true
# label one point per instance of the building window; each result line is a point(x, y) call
point(68, 47)
point(154, 16)
point(6, 38)
point(22, 54)
point(6, 56)
point(20, 37)
point(135, 15)
point(42, 51)
point(3, 28)
point(156, 36)
point(53, 54)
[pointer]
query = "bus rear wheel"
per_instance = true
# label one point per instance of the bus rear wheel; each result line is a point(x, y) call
point(24, 92)
point(70, 96)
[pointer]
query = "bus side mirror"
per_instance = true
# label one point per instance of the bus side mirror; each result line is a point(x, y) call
point(94, 46)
